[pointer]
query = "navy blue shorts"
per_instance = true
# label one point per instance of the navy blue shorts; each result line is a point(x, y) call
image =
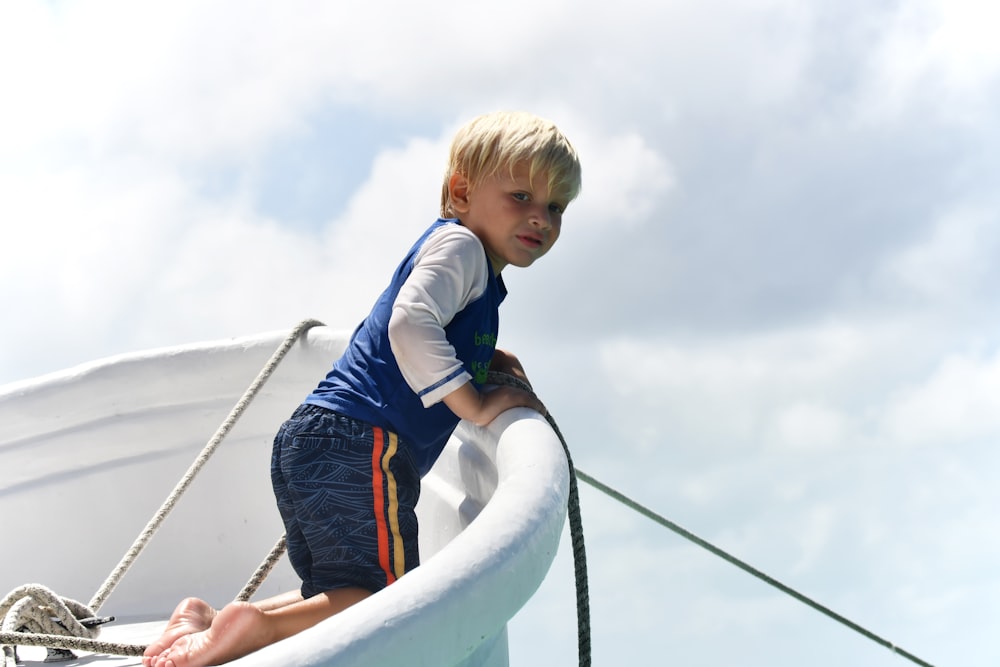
point(347, 492)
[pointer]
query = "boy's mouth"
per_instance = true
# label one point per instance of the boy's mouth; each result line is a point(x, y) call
point(530, 241)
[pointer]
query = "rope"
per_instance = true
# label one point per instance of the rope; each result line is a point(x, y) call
point(31, 607)
point(35, 616)
point(10, 639)
point(262, 571)
point(35, 609)
point(46, 632)
point(575, 528)
point(144, 537)
point(579, 557)
point(729, 558)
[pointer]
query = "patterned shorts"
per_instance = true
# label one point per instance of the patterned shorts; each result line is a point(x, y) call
point(347, 493)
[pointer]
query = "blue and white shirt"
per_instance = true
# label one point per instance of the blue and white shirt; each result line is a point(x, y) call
point(431, 331)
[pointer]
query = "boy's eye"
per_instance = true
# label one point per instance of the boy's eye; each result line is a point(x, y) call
point(521, 196)
point(556, 208)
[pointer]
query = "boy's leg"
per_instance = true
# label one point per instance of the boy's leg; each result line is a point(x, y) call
point(347, 493)
point(194, 615)
point(191, 615)
point(241, 628)
point(279, 601)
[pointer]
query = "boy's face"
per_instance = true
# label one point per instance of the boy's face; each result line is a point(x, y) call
point(517, 218)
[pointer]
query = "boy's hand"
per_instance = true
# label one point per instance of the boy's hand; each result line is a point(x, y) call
point(481, 408)
point(505, 362)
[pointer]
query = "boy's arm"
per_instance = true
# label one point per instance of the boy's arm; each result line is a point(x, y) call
point(481, 408)
point(449, 272)
point(505, 362)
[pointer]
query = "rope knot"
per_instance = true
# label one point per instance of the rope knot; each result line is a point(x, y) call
point(33, 608)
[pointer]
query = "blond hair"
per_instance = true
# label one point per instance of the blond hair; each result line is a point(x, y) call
point(506, 139)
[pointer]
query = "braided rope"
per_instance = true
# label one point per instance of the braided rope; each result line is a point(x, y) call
point(746, 567)
point(144, 537)
point(31, 607)
point(263, 570)
point(35, 609)
point(35, 616)
point(575, 529)
point(10, 639)
point(579, 556)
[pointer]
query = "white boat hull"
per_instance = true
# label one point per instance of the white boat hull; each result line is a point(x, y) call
point(87, 456)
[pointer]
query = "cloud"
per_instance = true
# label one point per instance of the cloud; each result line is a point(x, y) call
point(770, 314)
point(629, 180)
point(787, 388)
point(958, 402)
point(808, 424)
point(936, 56)
point(952, 263)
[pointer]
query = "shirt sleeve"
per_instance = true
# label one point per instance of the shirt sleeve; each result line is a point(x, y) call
point(449, 272)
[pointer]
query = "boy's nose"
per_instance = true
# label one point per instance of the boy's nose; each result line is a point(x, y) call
point(541, 217)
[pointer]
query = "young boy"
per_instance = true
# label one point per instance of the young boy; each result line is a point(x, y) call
point(346, 466)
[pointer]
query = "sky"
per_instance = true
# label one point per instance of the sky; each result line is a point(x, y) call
point(771, 315)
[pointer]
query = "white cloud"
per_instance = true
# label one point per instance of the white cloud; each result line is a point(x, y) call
point(939, 54)
point(951, 264)
point(775, 389)
point(810, 425)
point(824, 388)
point(713, 120)
point(627, 180)
point(80, 253)
point(958, 402)
point(389, 211)
point(180, 81)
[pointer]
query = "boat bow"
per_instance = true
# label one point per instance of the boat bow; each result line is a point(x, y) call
point(88, 454)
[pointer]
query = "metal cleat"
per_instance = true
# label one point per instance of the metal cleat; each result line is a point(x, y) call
point(58, 655)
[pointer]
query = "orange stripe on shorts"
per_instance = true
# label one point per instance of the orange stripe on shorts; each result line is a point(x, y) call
point(378, 483)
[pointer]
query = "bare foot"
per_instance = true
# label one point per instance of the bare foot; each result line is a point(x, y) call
point(192, 615)
point(237, 630)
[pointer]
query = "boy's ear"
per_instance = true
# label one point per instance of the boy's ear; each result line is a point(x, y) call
point(458, 190)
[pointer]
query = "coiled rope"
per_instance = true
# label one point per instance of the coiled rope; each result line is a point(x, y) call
point(35, 609)
point(32, 607)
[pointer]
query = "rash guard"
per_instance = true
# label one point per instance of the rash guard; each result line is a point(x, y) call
point(433, 329)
